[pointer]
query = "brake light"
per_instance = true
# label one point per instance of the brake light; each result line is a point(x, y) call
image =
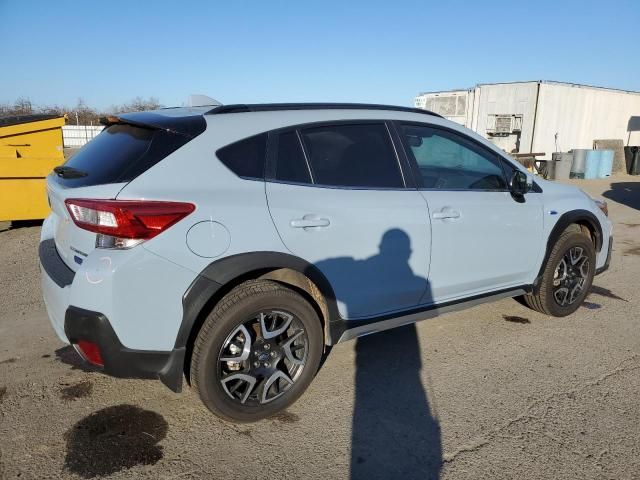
point(132, 221)
point(91, 352)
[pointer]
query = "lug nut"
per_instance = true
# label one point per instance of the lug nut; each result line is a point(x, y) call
point(256, 364)
point(267, 346)
point(266, 364)
point(273, 354)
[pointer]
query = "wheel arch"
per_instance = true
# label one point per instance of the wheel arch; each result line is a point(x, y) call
point(583, 218)
point(222, 275)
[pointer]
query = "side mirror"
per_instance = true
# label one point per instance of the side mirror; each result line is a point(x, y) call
point(520, 183)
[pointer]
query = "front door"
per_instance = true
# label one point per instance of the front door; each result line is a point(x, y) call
point(483, 239)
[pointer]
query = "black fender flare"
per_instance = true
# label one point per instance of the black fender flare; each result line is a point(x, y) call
point(220, 272)
point(566, 219)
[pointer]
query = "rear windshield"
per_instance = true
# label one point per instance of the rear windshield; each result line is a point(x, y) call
point(119, 154)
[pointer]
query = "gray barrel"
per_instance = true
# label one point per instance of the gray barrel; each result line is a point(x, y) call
point(561, 165)
point(579, 159)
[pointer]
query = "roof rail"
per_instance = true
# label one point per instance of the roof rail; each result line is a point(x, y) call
point(271, 107)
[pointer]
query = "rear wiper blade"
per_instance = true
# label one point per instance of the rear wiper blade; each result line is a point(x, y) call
point(69, 172)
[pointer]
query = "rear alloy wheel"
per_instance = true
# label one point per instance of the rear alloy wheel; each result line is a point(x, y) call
point(263, 357)
point(256, 352)
point(567, 275)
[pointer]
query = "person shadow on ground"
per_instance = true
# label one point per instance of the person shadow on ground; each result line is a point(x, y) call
point(394, 431)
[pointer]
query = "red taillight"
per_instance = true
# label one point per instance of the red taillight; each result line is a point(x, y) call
point(133, 219)
point(91, 352)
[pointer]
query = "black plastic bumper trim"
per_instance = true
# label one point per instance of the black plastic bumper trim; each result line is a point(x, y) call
point(53, 264)
point(120, 361)
point(605, 267)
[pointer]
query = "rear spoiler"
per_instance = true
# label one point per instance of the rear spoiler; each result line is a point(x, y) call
point(190, 126)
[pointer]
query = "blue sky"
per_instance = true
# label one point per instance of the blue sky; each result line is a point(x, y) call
point(109, 52)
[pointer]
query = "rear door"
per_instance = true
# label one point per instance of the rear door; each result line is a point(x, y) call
point(483, 238)
point(338, 197)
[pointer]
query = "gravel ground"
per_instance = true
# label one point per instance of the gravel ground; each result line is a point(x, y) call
point(497, 391)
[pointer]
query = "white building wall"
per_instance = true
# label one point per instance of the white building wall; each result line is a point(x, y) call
point(453, 104)
point(579, 115)
point(506, 99)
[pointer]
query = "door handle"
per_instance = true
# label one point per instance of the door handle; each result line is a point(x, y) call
point(309, 221)
point(446, 213)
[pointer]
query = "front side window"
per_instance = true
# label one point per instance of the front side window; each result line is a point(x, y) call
point(352, 156)
point(448, 161)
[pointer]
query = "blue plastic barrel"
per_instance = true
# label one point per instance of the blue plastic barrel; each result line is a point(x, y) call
point(592, 164)
point(606, 163)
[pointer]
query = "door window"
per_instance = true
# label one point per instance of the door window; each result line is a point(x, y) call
point(291, 165)
point(447, 160)
point(352, 156)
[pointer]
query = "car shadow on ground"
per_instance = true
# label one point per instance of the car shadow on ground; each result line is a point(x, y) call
point(625, 193)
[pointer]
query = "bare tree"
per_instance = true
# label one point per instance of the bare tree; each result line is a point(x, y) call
point(138, 104)
point(22, 106)
point(81, 114)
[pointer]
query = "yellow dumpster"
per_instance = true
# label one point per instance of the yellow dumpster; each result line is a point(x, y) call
point(30, 147)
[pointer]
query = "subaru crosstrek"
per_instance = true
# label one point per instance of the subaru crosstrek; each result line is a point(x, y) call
point(232, 245)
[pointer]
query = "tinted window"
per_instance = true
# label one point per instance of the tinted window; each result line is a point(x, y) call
point(291, 165)
point(449, 161)
point(119, 154)
point(246, 157)
point(352, 156)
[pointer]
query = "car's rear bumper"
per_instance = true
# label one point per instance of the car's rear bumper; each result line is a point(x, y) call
point(120, 361)
point(63, 289)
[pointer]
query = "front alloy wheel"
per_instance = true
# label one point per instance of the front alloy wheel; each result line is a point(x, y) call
point(571, 276)
point(567, 275)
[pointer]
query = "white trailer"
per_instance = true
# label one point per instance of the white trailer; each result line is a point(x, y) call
point(541, 116)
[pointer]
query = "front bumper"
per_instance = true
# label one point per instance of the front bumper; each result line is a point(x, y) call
point(608, 261)
point(120, 361)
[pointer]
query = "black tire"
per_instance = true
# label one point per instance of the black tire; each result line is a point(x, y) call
point(543, 299)
point(243, 303)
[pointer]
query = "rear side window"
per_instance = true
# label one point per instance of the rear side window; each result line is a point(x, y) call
point(119, 154)
point(352, 156)
point(291, 165)
point(246, 157)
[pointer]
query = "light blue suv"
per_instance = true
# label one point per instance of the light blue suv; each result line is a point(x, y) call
point(234, 244)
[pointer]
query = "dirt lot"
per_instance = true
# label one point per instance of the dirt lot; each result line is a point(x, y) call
point(497, 391)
